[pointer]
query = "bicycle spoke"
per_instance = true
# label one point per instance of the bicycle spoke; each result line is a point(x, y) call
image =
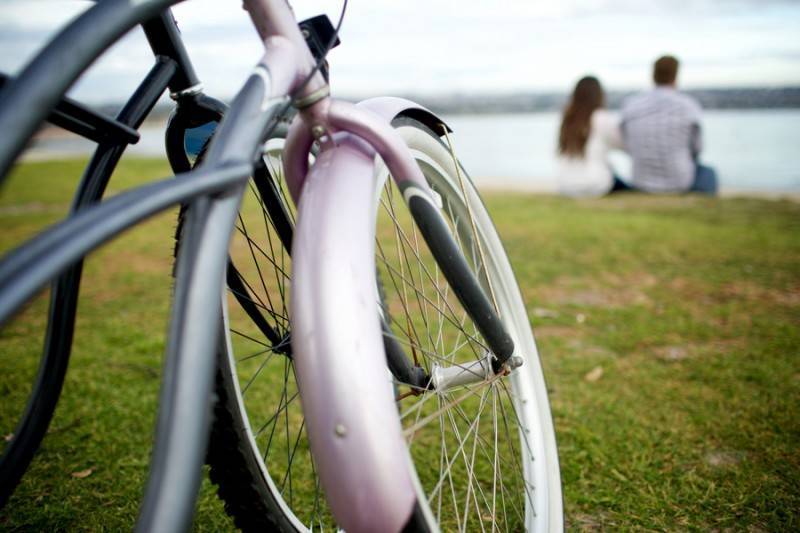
point(254, 244)
point(495, 468)
point(277, 317)
point(516, 467)
point(445, 316)
point(461, 445)
point(274, 417)
point(279, 272)
point(483, 445)
point(262, 352)
point(291, 458)
point(315, 514)
point(527, 450)
point(436, 356)
point(260, 368)
point(281, 406)
point(448, 471)
point(417, 256)
point(404, 264)
point(454, 322)
point(248, 337)
point(286, 418)
point(468, 464)
point(251, 244)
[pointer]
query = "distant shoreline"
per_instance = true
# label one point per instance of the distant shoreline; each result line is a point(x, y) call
point(540, 186)
point(534, 102)
point(711, 99)
point(532, 185)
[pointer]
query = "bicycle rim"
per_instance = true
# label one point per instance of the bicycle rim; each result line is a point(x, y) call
point(28, 411)
point(485, 452)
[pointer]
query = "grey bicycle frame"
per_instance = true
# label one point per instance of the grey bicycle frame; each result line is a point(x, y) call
point(349, 137)
point(214, 192)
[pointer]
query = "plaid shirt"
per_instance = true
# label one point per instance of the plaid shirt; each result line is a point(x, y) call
point(661, 129)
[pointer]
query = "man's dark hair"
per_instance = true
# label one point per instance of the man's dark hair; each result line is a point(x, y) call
point(665, 70)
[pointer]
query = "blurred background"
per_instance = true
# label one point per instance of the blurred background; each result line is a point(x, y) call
point(499, 72)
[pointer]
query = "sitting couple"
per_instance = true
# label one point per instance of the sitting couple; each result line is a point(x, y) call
point(660, 130)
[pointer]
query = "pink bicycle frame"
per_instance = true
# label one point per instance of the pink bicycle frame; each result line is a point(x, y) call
point(347, 398)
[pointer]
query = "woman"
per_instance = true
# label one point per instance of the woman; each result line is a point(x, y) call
point(588, 132)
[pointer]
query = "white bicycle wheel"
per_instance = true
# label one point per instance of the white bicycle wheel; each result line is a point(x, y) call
point(485, 453)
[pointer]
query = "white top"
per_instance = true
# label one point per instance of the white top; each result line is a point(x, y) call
point(590, 175)
point(662, 134)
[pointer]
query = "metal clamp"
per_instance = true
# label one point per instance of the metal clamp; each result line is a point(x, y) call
point(457, 375)
point(313, 98)
point(194, 89)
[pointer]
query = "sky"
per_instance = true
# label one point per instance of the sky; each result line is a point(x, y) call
point(465, 46)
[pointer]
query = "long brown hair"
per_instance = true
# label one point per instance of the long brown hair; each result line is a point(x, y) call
point(586, 98)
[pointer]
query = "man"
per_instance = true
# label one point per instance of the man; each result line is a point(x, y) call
point(661, 129)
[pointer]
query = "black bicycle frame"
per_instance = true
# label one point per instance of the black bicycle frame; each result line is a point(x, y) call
point(64, 294)
point(172, 69)
point(29, 99)
point(89, 124)
point(213, 193)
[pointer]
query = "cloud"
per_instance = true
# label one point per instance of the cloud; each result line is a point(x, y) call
point(39, 15)
point(459, 46)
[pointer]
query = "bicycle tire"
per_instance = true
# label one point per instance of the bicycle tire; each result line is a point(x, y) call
point(246, 484)
point(164, 475)
point(45, 392)
point(237, 464)
point(27, 103)
point(246, 493)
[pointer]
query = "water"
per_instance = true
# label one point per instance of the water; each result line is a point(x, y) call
point(752, 150)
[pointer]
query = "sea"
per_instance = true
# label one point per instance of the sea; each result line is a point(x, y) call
point(754, 151)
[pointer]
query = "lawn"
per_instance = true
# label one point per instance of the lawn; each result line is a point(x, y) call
point(669, 329)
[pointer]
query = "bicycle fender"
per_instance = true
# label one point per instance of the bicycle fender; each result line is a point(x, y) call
point(344, 384)
point(390, 107)
point(299, 140)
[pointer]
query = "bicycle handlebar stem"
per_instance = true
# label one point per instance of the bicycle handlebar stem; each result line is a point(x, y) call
point(274, 18)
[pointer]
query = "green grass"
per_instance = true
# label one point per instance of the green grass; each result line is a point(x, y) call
point(689, 305)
